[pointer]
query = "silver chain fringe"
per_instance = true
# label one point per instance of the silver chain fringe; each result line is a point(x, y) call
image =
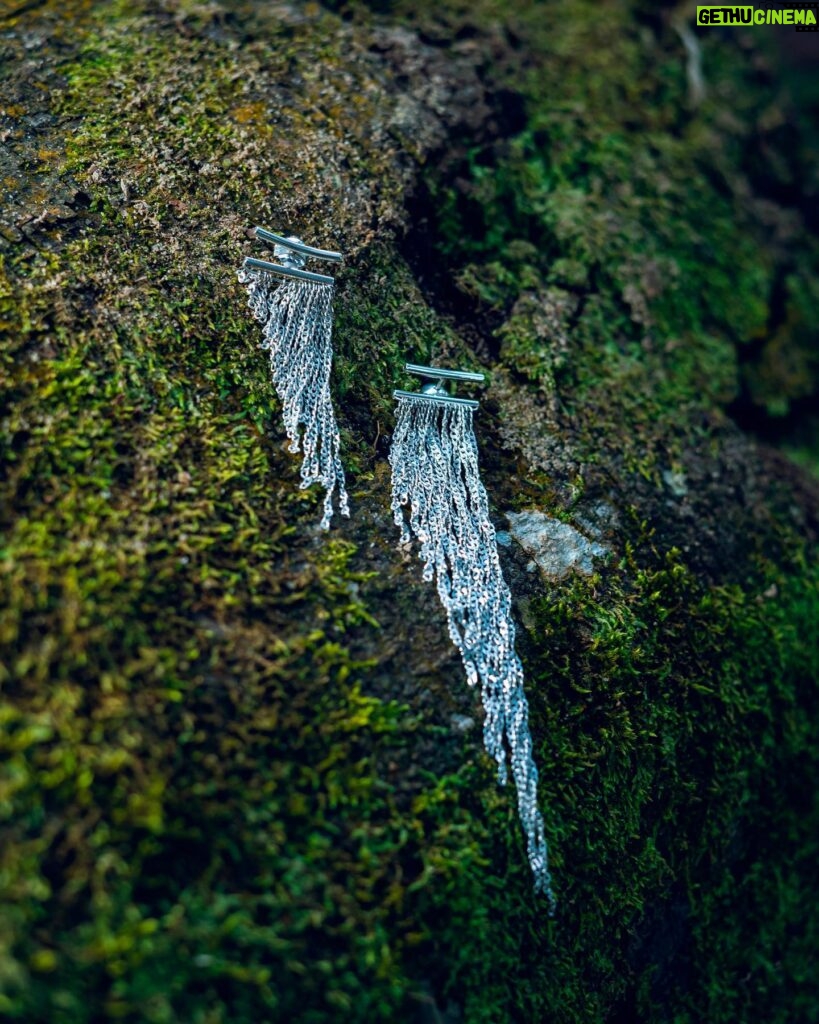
point(434, 459)
point(297, 318)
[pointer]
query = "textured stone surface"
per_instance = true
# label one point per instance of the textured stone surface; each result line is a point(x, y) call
point(555, 547)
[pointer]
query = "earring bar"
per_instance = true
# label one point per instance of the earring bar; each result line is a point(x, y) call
point(274, 268)
point(435, 373)
point(298, 246)
point(420, 396)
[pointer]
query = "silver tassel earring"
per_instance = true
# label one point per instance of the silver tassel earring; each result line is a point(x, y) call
point(435, 475)
point(297, 317)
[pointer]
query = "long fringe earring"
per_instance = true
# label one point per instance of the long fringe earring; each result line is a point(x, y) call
point(438, 496)
point(297, 318)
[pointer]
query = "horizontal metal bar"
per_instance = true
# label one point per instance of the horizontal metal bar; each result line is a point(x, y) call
point(438, 374)
point(305, 250)
point(443, 399)
point(274, 268)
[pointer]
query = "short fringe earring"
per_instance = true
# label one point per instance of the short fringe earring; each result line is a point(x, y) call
point(434, 459)
point(297, 318)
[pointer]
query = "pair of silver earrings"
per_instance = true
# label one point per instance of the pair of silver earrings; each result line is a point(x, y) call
point(437, 497)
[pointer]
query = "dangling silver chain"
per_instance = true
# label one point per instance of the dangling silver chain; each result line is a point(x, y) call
point(434, 460)
point(297, 333)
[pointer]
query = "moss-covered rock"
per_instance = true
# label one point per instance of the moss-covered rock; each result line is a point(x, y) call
point(242, 777)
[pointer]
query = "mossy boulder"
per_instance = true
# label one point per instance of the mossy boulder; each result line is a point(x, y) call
point(242, 777)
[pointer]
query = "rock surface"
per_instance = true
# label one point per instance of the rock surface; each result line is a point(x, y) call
point(556, 547)
point(238, 781)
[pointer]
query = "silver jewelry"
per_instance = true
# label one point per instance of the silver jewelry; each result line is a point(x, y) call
point(297, 318)
point(435, 476)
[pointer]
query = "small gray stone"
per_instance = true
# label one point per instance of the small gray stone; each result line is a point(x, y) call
point(675, 482)
point(461, 723)
point(556, 547)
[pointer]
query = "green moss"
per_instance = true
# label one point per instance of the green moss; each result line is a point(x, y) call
point(618, 193)
point(230, 789)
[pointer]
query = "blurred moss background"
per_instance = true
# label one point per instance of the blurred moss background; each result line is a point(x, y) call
point(242, 777)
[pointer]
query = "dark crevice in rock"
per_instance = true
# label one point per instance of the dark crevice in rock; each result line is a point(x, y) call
point(797, 426)
point(793, 418)
point(436, 272)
